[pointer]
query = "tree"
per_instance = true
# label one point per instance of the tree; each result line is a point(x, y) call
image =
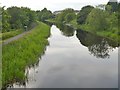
point(0, 19)
point(97, 20)
point(66, 15)
point(5, 21)
point(21, 17)
point(60, 17)
point(44, 14)
point(82, 15)
point(15, 13)
point(113, 4)
point(119, 18)
point(69, 17)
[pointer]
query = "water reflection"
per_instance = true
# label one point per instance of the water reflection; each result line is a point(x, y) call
point(66, 30)
point(98, 46)
point(100, 50)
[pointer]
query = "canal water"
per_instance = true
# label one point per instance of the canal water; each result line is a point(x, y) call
point(74, 59)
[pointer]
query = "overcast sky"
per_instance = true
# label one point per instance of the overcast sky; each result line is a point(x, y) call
point(52, 5)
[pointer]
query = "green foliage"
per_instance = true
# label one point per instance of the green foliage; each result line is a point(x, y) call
point(23, 52)
point(5, 21)
point(108, 8)
point(114, 5)
point(21, 17)
point(0, 19)
point(106, 25)
point(119, 19)
point(66, 15)
point(69, 17)
point(44, 14)
point(60, 17)
point(113, 20)
point(100, 21)
point(96, 23)
point(82, 15)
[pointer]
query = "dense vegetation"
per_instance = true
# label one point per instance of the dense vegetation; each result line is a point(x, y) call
point(106, 25)
point(17, 19)
point(23, 52)
point(102, 20)
point(44, 14)
point(82, 15)
point(119, 18)
point(114, 5)
point(66, 16)
point(0, 48)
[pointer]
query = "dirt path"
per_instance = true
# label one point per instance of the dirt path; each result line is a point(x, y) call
point(14, 38)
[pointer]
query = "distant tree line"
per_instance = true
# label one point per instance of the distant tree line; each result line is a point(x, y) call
point(44, 14)
point(101, 17)
point(22, 17)
point(66, 16)
point(96, 18)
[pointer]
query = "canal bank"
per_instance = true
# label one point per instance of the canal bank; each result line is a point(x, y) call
point(22, 53)
point(74, 61)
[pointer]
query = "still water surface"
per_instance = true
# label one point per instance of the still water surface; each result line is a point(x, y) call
point(75, 59)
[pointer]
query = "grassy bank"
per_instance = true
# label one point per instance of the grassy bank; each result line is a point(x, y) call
point(0, 37)
point(23, 52)
point(111, 34)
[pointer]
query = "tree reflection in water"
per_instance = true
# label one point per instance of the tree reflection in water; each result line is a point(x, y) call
point(66, 30)
point(98, 46)
point(100, 50)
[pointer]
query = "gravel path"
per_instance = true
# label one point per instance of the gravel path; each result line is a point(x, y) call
point(14, 38)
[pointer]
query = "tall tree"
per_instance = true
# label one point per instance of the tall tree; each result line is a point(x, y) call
point(5, 21)
point(119, 18)
point(82, 15)
point(66, 15)
point(0, 19)
point(44, 14)
point(97, 20)
point(113, 4)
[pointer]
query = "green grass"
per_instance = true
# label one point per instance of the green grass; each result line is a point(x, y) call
point(23, 52)
point(7, 35)
point(0, 35)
